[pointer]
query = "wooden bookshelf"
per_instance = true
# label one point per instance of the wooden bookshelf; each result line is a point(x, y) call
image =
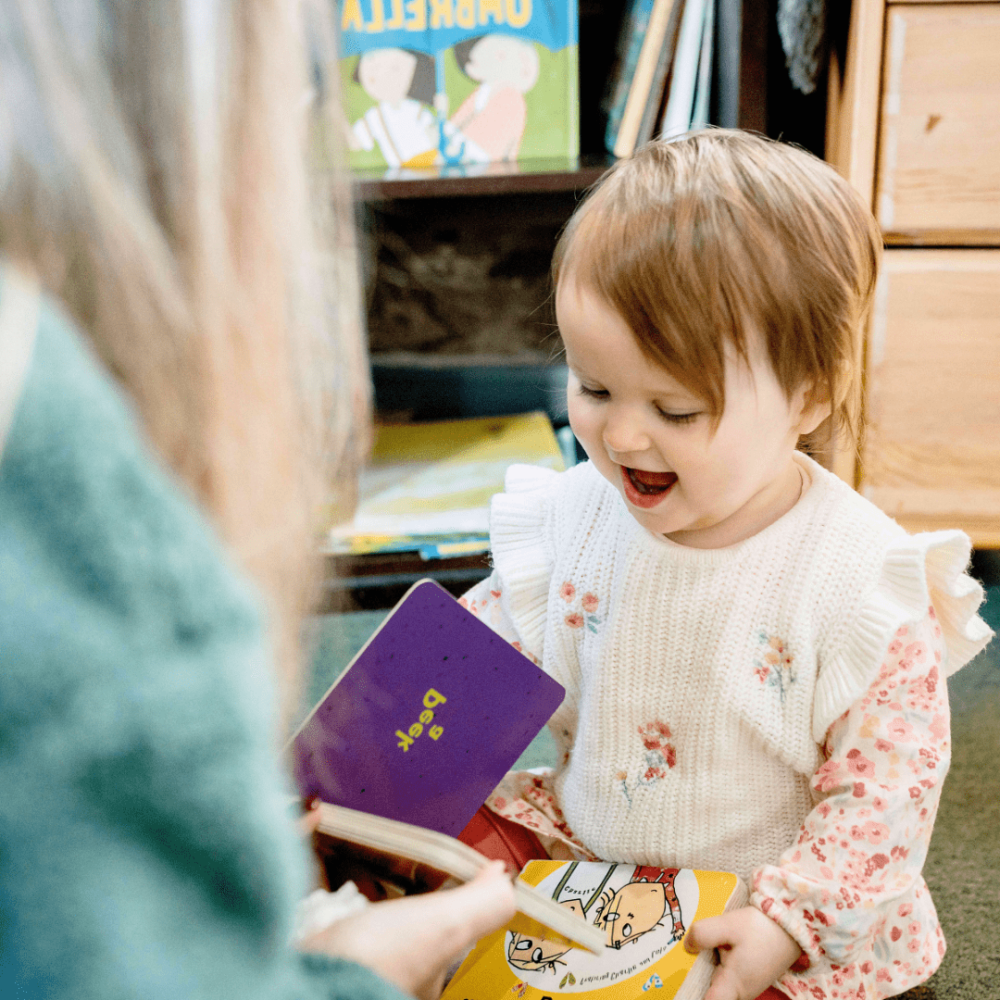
point(509, 214)
point(525, 176)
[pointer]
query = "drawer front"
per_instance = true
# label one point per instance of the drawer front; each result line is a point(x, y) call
point(932, 440)
point(939, 140)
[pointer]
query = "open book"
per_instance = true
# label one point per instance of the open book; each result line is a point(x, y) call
point(402, 858)
point(426, 720)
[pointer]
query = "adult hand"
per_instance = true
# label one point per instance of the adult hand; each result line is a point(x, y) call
point(753, 952)
point(411, 942)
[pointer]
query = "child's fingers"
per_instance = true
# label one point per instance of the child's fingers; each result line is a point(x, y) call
point(712, 932)
point(724, 986)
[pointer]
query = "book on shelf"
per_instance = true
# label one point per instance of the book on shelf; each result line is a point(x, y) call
point(643, 913)
point(431, 84)
point(662, 81)
point(703, 84)
point(634, 26)
point(686, 104)
point(428, 485)
point(661, 76)
point(655, 24)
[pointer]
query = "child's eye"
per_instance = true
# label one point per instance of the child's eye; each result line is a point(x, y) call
point(678, 418)
point(585, 390)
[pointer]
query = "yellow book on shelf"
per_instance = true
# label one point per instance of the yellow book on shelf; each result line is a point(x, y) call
point(437, 478)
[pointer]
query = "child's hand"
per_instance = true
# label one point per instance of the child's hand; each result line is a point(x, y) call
point(753, 951)
point(412, 941)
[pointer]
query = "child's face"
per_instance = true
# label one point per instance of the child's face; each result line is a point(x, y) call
point(499, 59)
point(386, 74)
point(652, 438)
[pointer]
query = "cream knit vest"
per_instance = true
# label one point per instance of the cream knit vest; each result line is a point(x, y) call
point(701, 683)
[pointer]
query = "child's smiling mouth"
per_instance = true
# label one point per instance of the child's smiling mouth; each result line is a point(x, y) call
point(646, 489)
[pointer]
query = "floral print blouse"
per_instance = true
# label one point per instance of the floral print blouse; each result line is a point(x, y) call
point(849, 889)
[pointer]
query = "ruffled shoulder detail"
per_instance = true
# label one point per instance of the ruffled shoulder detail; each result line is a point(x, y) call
point(523, 552)
point(918, 572)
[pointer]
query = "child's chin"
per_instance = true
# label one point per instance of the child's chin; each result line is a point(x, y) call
point(655, 521)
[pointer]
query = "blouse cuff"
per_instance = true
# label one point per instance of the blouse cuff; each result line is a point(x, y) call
point(791, 918)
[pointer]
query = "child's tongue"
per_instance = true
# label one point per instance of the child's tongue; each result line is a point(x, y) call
point(652, 481)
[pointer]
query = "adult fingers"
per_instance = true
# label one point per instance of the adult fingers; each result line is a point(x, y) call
point(482, 905)
point(309, 820)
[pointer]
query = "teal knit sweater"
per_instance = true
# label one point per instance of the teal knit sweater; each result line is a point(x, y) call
point(145, 846)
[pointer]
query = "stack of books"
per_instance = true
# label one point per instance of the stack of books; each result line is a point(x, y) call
point(428, 485)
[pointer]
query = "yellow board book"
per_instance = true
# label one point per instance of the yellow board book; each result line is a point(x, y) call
point(644, 913)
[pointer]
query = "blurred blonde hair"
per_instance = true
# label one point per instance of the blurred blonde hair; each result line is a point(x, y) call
point(705, 242)
point(153, 173)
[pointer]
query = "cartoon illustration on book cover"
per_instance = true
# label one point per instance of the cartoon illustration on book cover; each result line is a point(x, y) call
point(491, 119)
point(402, 121)
point(458, 82)
point(641, 908)
point(645, 912)
point(626, 913)
point(640, 905)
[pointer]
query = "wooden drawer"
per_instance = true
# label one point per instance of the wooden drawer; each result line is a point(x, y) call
point(939, 134)
point(932, 444)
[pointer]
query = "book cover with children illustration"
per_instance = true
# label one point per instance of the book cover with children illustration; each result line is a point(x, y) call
point(644, 913)
point(458, 83)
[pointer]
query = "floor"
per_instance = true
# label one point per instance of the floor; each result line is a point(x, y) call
point(963, 866)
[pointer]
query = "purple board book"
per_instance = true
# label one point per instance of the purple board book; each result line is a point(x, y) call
point(427, 719)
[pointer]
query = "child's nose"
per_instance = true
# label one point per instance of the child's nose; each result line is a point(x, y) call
point(624, 434)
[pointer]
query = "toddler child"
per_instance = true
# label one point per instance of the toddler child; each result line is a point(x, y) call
point(754, 655)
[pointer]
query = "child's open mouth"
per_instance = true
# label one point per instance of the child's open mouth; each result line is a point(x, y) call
point(646, 489)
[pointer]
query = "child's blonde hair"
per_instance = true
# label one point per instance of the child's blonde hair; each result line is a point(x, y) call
point(702, 242)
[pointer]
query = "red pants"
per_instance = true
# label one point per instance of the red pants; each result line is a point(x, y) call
point(500, 839)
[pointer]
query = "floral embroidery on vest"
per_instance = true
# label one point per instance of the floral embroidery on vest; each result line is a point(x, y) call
point(774, 665)
point(659, 756)
point(588, 605)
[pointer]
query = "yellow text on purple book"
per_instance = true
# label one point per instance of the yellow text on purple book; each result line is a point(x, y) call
point(431, 700)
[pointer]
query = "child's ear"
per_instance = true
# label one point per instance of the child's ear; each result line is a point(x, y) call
point(812, 406)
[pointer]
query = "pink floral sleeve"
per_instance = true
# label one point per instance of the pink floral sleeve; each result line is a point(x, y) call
point(850, 889)
point(483, 600)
